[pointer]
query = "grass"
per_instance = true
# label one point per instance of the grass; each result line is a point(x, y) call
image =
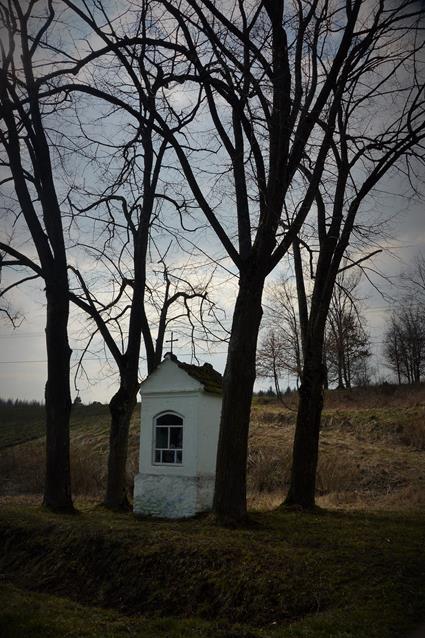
point(43, 616)
point(27, 422)
point(22, 450)
point(352, 570)
point(370, 457)
point(329, 574)
point(19, 424)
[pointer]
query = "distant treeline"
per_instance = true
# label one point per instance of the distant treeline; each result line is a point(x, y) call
point(33, 403)
point(20, 403)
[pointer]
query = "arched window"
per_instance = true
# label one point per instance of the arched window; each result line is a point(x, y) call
point(168, 439)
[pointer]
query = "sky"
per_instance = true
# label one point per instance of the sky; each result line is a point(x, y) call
point(22, 351)
point(22, 358)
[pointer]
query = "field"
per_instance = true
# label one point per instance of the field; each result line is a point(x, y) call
point(371, 454)
point(353, 569)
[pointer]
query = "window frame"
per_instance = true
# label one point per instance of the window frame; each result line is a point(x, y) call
point(168, 426)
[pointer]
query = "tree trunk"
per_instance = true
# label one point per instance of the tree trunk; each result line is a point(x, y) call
point(57, 488)
point(121, 408)
point(325, 374)
point(340, 370)
point(239, 376)
point(306, 441)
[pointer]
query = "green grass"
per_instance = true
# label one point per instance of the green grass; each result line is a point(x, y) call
point(24, 613)
point(330, 574)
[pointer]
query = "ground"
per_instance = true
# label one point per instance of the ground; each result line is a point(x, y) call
point(353, 569)
point(328, 574)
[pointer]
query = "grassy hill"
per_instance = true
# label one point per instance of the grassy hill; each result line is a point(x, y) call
point(22, 423)
point(371, 452)
point(22, 448)
point(323, 575)
point(355, 569)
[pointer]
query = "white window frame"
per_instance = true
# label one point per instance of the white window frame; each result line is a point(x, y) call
point(175, 451)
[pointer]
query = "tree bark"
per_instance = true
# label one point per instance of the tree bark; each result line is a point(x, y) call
point(57, 488)
point(306, 441)
point(121, 408)
point(301, 294)
point(230, 486)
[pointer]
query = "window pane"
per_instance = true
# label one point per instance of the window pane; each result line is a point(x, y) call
point(157, 456)
point(179, 455)
point(168, 456)
point(176, 438)
point(169, 419)
point(161, 440)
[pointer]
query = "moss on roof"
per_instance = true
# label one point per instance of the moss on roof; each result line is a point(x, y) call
point(210, 378)
point(205, 374)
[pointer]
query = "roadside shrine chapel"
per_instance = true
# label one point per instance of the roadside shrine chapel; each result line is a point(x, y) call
point(180, 418)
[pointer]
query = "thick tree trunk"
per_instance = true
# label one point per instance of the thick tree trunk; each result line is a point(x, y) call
point(239, 376)
point(306, 441)
point(57, 489)
point(121, 408)
point(325, 374)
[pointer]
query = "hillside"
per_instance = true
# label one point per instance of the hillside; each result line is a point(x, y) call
point(371, 454)
point(353, 569)
point(372, 450)
point(286, 575)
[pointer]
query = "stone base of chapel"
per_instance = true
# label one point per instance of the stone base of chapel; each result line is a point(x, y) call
point(172, 496)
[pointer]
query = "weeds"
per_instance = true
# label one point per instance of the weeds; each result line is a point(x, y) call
point(22, 469)
point(370, 453)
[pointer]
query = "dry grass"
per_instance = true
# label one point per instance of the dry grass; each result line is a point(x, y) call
point(380, 396)
point(22, 465)
point(371, 454)
point(369, 457)
point(22, 468)
point(369, 397)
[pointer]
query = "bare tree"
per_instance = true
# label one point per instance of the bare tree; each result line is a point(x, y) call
point(132, 209)
point(347, 344)
point(30, 184)
point(383, 61)
point(414, 279)
point(280, 349)
point(393, 348)
point(266, 120)
point(122, 334)
point(271, 360)
point(125, 206)
point(273, 131)
point(404, 347)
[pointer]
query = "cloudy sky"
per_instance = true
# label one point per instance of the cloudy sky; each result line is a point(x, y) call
point(22, 353)
point(23, 360)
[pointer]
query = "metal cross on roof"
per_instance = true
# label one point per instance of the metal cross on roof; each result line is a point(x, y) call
point(171, 341)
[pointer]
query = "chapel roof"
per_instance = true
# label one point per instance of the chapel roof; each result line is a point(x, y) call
point(205, 374)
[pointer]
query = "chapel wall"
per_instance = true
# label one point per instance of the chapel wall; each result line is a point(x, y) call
point(187, 407)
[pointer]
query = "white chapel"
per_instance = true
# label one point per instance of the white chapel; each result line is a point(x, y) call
point(181, 407)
